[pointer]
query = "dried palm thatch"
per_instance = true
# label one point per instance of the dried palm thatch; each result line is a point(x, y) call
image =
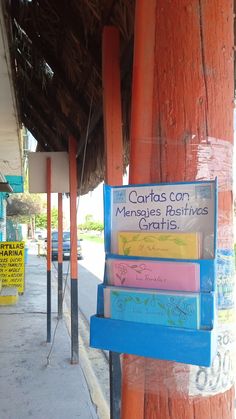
point(56, 57)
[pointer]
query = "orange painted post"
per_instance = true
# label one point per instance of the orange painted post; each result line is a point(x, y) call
point(114, 160)
point(192, 134)
point(141, 149)
point(142, 92)
point(73, 251)
point(112, 106)
point(60, 258)
point(49, 247)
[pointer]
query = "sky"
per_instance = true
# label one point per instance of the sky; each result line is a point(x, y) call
point(91, 203)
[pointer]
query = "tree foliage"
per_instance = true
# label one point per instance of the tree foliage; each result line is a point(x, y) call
point(91, 225)
point(41, 219)
point(24, 204)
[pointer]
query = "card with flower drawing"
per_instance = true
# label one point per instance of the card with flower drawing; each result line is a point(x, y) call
point(144, 273)
point(160, 245)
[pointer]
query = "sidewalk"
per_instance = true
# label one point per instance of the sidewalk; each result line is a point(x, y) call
point(30, 388)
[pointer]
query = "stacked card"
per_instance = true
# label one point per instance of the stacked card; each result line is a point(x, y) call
point(151, 306)
point(141, 273)
point(160, 245)
point(143, 290)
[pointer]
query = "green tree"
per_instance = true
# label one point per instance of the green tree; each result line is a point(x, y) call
point(88, 218)
point(41, 219)
point(23, 207)
point(24, 204)
point(91, 225)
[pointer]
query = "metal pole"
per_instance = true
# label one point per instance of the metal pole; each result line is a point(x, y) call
point(73, 253)
point(60, 258)
point(49, 247)
point(115, 384)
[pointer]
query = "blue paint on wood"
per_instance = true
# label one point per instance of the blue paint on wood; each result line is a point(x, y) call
point(196, 347)
point(16, 182)
point(189, 346)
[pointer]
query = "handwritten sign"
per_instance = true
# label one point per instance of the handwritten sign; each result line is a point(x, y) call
point(154, 274)
point(173, 208)
point(225, 278)
point(12, 265)
point(221, 375)
point(154, 307)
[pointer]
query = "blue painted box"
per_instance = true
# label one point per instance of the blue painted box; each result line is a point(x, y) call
point(191, 345)
point(197, 347)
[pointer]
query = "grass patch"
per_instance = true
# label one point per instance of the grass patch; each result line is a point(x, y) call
point(91, 237)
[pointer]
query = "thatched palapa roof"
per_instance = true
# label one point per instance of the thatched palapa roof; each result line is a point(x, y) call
point(56, 57)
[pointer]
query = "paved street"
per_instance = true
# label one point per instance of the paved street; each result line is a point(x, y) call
point(94, 257)
point(91, 270)
point(90, 274)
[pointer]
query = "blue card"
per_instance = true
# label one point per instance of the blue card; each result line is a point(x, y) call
point(166, 309)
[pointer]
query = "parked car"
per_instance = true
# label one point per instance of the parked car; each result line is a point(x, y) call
point(66, 243)
point(40, 234)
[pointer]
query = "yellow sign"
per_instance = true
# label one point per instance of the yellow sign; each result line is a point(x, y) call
point(12, 266)
point(161, 245)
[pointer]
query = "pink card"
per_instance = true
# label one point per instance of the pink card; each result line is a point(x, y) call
point(179, 276)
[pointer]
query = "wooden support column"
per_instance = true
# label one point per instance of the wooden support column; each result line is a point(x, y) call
point(114, 162)
point(142, 92)
point(191, 113)
point(49, 247)
point(133, 378)
point(112, 106)
point(60, 258)
point(73, 252)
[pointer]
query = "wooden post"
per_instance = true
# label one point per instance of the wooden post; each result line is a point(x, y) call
point(49, 247)
point(112, 106)
point(141, 148)
point(73, 251)
point(142, 92)
point(60, 258)
point(191, 112)
point(114, 162)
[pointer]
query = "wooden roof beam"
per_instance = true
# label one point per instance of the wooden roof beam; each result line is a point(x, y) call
point(44, 143)
point(50, 98)
point(45, 126)
point(36, 105)
point(126, 64)
point(97, 114)
point(73, 23)
point(107, 12)
point(42, 125)
point(54, 64)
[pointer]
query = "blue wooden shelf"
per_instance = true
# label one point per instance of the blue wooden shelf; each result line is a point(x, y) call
point(188, 346)
point(196, 347)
